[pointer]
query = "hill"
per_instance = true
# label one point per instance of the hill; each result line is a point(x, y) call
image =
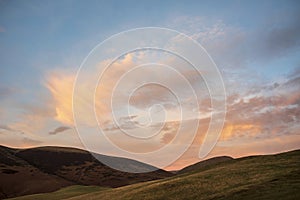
point(205, 163)
point(46, 169)
point(256, 177)
point(18, 177)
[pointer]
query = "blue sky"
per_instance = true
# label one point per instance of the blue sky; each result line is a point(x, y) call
point(48, 34)
point(255, 44)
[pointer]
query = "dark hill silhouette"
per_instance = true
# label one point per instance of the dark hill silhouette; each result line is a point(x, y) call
point(18, 177)
point(46, 169)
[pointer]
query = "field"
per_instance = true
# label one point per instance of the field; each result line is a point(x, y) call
point(255, 177)
point(64, 193)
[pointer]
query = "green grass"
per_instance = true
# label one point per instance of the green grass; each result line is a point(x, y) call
point(64, 193)
point(259, 177)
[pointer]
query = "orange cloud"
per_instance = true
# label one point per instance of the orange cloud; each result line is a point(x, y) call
point(239, 130)
point(252, 117)
point(60, 84)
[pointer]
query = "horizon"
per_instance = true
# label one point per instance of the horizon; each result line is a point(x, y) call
point(169, 170)
point(44, 44)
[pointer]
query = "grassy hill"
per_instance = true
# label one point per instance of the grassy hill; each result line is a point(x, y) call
point(18, 177)
point(255, 177)
point(71, 191)
point(204, 164)
point(47, 169)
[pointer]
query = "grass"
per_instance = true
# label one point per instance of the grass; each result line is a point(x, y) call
point(63, 193)
point(258, 177)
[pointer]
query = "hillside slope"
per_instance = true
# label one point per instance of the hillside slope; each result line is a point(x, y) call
point(82, 168)
point(18, 177)
point(256, 177)
point(46, 169)
point(205, 164)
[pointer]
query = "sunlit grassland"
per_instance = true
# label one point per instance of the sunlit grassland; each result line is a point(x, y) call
point(64, 193)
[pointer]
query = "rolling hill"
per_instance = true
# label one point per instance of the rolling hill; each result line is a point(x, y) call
point(256, 177)
point(206, 163)
point(47, 169)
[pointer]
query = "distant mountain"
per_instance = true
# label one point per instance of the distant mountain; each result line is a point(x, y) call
point(46, 169)
point(205, 164)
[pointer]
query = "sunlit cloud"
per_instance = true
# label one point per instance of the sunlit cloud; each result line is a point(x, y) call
point(259, 113)
point(60, 84)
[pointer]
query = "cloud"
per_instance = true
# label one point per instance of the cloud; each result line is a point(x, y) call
point(224, 42)
point(278, 40)
point(22, 114)
point(263, 119)
point(265, 112)
point(7, 128)
point(152, 94)
point(33, 118)
point(60, 84)
point(256, 112)
point(11, 128)
point(59, 130)
point(124, 123)
point(169, 131)
point(236, 46)
point(27, 142)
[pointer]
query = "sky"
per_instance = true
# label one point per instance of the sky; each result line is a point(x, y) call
point(254, 44)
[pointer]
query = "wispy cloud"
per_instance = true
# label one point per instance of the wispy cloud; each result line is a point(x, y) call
point(27, 142)
point(7, 128)
point(60, 84)
point(59, 130)
point(11, 128)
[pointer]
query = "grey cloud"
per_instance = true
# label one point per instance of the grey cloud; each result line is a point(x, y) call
point(7, 128)
point(236, 47)
point(279, 40)
point(59, 130)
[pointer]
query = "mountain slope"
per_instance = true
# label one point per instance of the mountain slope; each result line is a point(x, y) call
point(256, 177)
point(46, 169)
